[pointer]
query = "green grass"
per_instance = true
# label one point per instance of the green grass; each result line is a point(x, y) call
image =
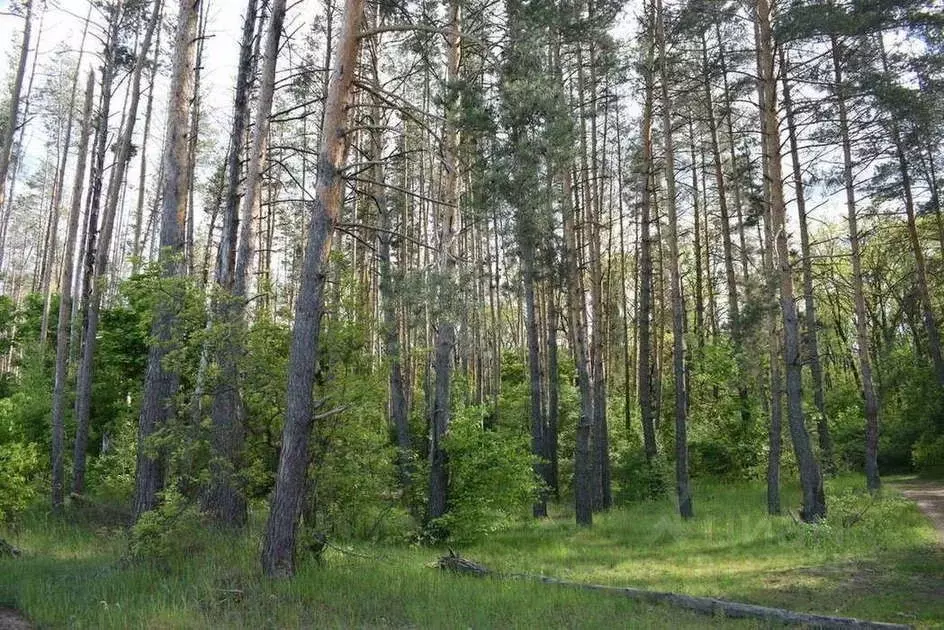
point(883, 567)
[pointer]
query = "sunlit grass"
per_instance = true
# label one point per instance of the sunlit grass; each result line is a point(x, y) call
point(883, 567)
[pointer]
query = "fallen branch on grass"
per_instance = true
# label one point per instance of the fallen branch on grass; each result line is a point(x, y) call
point(702, 605)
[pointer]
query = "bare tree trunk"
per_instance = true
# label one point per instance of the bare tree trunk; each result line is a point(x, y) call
point(811, 480)
point(449, 223)
point(863, 341)
point(98, 277)
point(683, 487)
point(812, 326)
point(6, 144)
point(161, 382)
point(223, 498)
point(137, 245)
point(645, 362)
point(54, 210)
point(278, 552)
point(65, 303)
point(399, 411)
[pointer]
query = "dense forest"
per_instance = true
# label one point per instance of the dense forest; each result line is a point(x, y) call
point(424, 269)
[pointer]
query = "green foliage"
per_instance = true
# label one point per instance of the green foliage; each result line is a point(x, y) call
point(637, 479)
point(19, 467)
point(491, 477)
point(928, 454)
point(170, 532)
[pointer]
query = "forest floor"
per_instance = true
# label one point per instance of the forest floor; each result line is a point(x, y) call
point(872, 559)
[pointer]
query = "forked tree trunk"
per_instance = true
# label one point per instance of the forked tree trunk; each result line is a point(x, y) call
point(161, 382)
point(278, 552)
point(65, 303)
point(811, 480)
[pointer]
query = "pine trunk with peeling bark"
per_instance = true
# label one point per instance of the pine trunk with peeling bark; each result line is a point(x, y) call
point(278, 552)
point(161, 382)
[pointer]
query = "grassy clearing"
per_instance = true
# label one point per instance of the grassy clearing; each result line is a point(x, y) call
point(883, 567)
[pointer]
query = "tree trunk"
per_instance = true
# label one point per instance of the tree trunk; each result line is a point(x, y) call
point(811, 480)
point(872, 479)
point(683, 487)
point(223, 498)
point(65, 303)
point(161, 382)
point(809, 301)
point(445, 341)
point(278, 552)
point(6, 143)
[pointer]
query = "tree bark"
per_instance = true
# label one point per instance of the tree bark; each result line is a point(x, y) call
point(811, 480)
point(6, 144)
point(65, 302)
point(863, 341)
point(682, 484)
point(161, 382)
point(449, 221)
point(809, 301)
point(278, 552)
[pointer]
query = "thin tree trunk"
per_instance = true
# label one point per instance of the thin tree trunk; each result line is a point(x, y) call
point(645, 362)
point(682, 484)
point(449, 222)
point(6, 144)
point(809, 301)
point(65, 303)
point(872, 479)
point(98, 277)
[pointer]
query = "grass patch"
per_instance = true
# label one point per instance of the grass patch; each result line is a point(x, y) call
point(885, 567)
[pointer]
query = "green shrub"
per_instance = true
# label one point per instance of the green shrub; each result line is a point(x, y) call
point(928, 454)
point(491, 477)
point(170, 531)
point(19, 465)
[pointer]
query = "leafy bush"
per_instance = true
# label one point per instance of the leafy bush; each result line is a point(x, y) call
point(172, 530)
point(491, 477)
point(19, 464)
point(928, 454)
point(637, 479)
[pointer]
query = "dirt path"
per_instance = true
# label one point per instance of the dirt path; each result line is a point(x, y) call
point(12, 620)
point(930, 499)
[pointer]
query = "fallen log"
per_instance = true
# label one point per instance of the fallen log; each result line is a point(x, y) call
point(736, 610)
point(702, 605)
